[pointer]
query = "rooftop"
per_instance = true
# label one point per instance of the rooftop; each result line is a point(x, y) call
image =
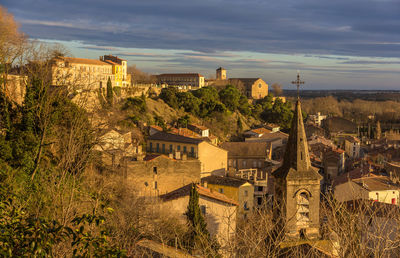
point(75, 60)
point(223, 180)
point(376, 183)
point(246, 149)
point(170, 137)
point(180, 75)
point(185, 191)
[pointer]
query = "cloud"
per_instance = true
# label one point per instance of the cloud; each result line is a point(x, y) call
point(315, 27)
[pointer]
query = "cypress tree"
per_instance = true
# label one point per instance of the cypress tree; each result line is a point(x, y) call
point(109, 92)
point(199, 237)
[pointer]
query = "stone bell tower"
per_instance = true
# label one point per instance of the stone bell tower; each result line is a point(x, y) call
point(297, 185)
point(221, 74)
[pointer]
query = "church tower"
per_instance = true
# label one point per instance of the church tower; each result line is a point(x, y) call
point(297, 185)
point(221, 74)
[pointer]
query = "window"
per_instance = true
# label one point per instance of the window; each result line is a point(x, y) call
point(163, 148)
point(259, 200)
point(259, 188)
point(155, 185)
point(151, 147)
point(246, 193)
point(259, 85)
point(170, 148)
point(158, 147)
point(184, 149)
point(221, 190)
point(179, 148)
point(245, 206)
point(192, 151)
point(155, 170)
point(203, 209)
point(254, 164)
point(244, 163)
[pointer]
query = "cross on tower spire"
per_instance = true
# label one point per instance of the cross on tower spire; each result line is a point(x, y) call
point(297, 83)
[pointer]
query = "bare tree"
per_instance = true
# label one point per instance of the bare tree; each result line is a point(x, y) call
point(277, 89)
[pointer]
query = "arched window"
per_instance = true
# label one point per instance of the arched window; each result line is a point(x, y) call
point(303, 208)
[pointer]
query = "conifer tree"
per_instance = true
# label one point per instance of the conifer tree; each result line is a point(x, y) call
point(109, 92)
point(199, 238)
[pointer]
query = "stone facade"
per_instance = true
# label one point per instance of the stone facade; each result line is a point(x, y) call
point(213, 159)
point(255, 88)
point(159, 174)
point(297, 187)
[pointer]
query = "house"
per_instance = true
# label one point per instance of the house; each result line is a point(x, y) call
point(89, 74)
point(115, 144)
point(201, 130)
point(237, 189)
point(333, 163)
point(212, 158)
point(119, 70)
point(370, 187)
point(352, 146)
point(257, 132)
point(254, 88)
point(276, 139)
point(246, 155)
point(15, 87)
point(181, 79)
point(218, 209)
point(317, 118)
point(158, 174)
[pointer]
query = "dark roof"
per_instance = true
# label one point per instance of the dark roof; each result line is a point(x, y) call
point(221, 68)
point(180, 75)
point(169, 137)
point(185, 190)
point(223, 180)
point(339, 124)
point(246, 149)
point(376, 183)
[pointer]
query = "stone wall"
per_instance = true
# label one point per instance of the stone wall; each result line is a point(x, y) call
point(170, 174)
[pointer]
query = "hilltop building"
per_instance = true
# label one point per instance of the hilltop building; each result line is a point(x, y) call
point(221, 74)
point(84, 74)
point(297, 186)
point(254, 88)
point(181, 79)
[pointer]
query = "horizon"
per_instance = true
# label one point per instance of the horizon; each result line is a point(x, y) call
point(336, 46)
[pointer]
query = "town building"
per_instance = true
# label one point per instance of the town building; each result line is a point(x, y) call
point(221, 74)
point(81, 74)
point(352, 146)
point(237, 189)
point(212, 158)
point(254, 88)
point(334, 165)
point(246, 155)
point(119, 70)
point(276, 139)
point(369, 187)
point(158, 174)
point(218, 210)
point(297, 186)
point(317, 118)
point(191, 80)
point(15, 87)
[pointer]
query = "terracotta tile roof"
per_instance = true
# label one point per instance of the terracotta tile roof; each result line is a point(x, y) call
point(75, 60)
point(185, 191)
point(201, 127)
point(223, 180)
point(185, 132)
point(180, 75)
point(246, 149)
point(111, 62)
point(352, 139)
point(261, 130)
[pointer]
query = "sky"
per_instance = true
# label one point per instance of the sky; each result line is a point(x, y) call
point(335, 44)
